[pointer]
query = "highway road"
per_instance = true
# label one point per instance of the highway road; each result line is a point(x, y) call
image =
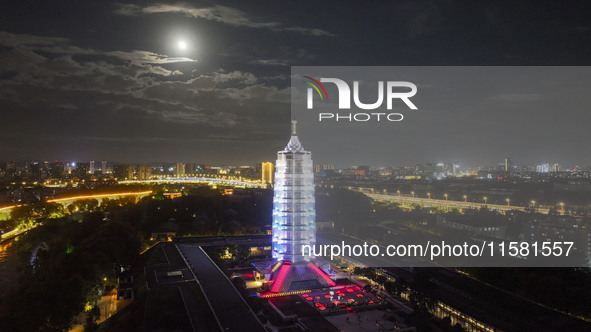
point(448, 203)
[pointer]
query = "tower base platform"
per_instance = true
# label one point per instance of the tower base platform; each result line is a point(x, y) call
point(289, 278)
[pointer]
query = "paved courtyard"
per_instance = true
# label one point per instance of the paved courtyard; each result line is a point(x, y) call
point(364, 321)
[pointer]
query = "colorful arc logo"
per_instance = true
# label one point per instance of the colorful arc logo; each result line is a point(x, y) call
point(315, 84)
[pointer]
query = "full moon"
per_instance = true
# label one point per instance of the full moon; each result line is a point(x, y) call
point(182, 45)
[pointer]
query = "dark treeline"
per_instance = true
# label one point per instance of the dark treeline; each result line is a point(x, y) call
point(68, 264)
point(565, 289)
point(73, 257)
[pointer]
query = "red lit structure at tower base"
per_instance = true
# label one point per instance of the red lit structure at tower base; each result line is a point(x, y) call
point(290, 278)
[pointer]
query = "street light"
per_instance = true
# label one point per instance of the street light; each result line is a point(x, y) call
point(429, 195)
point(445, 196)
point(398, 191)
point(413, 193)
point(561, 206)
point(485, 200)
point(465, 198)
point(508, 200)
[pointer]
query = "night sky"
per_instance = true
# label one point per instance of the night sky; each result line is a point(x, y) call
point(102, 80)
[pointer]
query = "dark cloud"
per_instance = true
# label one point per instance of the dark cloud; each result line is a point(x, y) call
point(138, 95)
point(218, 13)
point(104, 80)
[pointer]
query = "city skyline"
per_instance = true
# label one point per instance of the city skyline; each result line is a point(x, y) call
point(543, 167)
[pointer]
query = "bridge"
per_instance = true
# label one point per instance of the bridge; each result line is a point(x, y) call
point(221, 181)
point(65, 201)
point(212, 181)
point(68, 200)
point(427, 202)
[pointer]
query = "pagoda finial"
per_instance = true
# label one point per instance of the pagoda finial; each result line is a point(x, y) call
point(293, 127)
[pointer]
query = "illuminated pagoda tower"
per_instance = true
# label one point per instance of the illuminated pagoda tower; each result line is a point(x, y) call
point(294, 220)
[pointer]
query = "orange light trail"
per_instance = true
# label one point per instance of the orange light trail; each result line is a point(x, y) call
point(99, 196)
point(8, 207)
point(85, 197)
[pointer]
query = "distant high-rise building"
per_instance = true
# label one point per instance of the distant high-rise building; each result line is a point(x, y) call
point(57, 170)
point(37, 171)
point(91, 168)
point(508, 164)
point(267, 172)
point(123, 172)
point(179, 170)
point(103, 167)
point(542, 168)
point(190, 168)
point(555, 168)
point(144, 172)
point(7, 169)
point(455, 169)
point(70, 167)
point(323, 167)
point(7, 165)
point(440, 170)
point(428, 170)
point(82, 170)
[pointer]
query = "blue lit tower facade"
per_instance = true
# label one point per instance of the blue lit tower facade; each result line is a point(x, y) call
point(294, 214)
point(294, 221)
